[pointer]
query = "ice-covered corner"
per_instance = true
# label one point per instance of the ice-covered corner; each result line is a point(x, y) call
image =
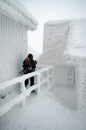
point(64, 46)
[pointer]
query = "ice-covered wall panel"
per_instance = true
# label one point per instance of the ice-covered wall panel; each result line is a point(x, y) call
point(13, 47)
point(80, 76)
point(75, 49)
point(75, 54)
point(54, 41)
point(53, 44)
point(77, 34)
point(55, 36)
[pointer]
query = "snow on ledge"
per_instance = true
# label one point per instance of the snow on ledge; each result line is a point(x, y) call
point(63, 21)
point(52, 23)
point(15, 10)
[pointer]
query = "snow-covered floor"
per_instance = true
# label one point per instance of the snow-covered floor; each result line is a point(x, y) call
point(53, 110)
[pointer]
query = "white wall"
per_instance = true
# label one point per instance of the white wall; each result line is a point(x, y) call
point(54, 41)
point(75, 54)
point(55, 36)
point(77, 35)
point(13, 47)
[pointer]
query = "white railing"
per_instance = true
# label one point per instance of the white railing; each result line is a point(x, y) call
point(24, 92)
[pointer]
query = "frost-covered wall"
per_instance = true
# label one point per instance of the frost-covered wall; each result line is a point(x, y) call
point(13, 47)
point(15, 20)
point(75, 49)
point(80, 75)
point(55, 37)
point(75, 54)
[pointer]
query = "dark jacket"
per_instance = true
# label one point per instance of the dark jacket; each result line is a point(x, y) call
point(29, 65)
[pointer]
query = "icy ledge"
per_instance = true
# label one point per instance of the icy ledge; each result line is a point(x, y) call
point(16, 11)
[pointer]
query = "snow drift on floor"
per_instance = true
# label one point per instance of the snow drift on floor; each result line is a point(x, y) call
point(45, 112)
